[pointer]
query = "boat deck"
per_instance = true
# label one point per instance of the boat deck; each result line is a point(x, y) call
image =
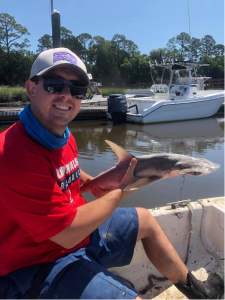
point(197, 233)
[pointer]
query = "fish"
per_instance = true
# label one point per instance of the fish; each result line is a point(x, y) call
point(149, 169)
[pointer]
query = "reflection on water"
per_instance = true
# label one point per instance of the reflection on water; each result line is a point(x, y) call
point(197, 138)
point(177, 137)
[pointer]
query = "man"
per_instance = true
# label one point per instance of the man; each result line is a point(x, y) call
point(52, 243)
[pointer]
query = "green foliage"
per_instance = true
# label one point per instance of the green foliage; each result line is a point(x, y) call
point(183, 40)
point(11, 32)
point(157, 54)
point(195, 49)
point(108, 91)
point(136, 69)
point(84, 38)
point(13, 94)
point(45, 43)
point(216, 67)
point(208, 45)
point(219, 50)
point(112, 62)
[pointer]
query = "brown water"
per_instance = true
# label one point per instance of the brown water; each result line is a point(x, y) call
point(198, 138)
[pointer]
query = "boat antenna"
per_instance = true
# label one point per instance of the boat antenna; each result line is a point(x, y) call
point(189, 21)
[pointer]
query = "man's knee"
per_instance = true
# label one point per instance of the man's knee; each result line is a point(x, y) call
point(139, 298)
point(146, 222)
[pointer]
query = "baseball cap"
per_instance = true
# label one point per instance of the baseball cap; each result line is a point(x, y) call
point(59, 57)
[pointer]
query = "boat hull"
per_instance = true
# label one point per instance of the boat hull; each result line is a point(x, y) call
point(177, 110)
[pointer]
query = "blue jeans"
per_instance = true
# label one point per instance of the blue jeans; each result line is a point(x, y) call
point(82, 274)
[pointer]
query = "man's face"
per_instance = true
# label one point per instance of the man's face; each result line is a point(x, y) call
point(54, 111)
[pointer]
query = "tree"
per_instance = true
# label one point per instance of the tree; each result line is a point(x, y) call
point(73, 44)
point(65, 33)
point(68, 40)
point(208, 45)
point(15, 70)
point(11, 33)
point(122, 48)
point(45, 43)
point(195, 48)
point(95, 45)
point(130, 47)
point(172, 51)
point(97, 41)
point(84, 38)
point(219, 50)
point(183, 40)
point(157, 54)
point(215, 68)
point(105, 68)
point(136, 69)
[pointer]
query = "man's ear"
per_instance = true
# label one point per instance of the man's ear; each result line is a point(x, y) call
point(31, 91)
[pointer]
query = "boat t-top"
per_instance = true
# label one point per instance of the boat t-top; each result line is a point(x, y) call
point(184, 98)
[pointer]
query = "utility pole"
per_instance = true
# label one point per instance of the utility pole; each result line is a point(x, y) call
point(55, 16)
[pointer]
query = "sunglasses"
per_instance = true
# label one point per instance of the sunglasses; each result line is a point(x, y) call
point(55, 85)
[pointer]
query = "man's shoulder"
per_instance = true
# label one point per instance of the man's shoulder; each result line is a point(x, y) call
point(16, 131)
point(15, 142)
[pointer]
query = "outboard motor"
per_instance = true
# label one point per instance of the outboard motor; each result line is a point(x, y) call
point(117, 107)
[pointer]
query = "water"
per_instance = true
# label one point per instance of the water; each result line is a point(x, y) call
point(198, 138)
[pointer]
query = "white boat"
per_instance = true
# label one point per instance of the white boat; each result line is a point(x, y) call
point(95, 97)
point(94, 100)
point(185, 99)
point(196, 230)
point(130, 93)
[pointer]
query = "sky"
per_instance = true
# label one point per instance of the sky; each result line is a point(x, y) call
point(148, 23)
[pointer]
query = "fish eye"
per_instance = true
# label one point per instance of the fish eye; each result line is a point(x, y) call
point(195, 173)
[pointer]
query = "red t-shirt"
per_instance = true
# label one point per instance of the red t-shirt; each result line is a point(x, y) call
point(39, 196)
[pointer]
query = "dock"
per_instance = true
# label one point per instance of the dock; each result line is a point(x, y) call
point(11, 114)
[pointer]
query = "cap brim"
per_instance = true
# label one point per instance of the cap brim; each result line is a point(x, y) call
point(83, 76)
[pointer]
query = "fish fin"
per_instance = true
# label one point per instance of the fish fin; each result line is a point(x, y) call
point(120, 152)
point(141, 182)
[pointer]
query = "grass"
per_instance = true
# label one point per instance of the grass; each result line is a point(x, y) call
point(108, 91)
point(15, 96)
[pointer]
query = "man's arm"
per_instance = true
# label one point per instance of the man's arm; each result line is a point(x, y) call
point(93, 214)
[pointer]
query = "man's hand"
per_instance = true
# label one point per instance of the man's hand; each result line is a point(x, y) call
point(97, 191)
point(128, 178)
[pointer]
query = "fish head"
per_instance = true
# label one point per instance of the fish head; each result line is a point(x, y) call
point(196, 166)
point(167, 165)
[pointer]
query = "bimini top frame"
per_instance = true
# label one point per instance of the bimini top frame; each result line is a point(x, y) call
point(175, 67)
